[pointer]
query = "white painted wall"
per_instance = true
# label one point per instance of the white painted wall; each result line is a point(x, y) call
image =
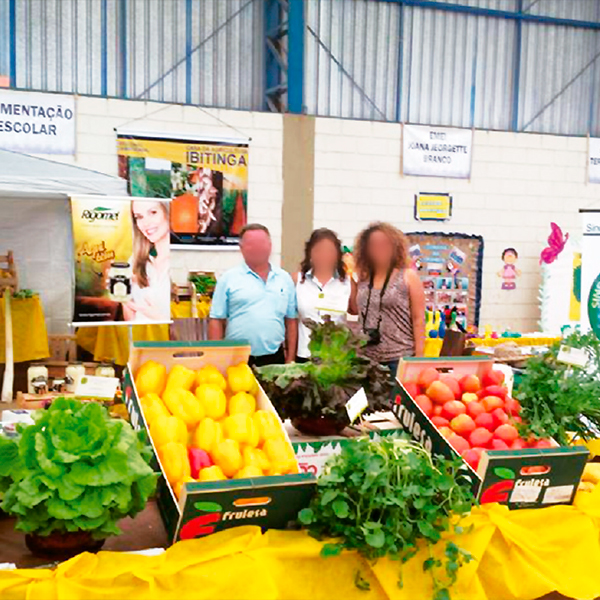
point(520, 183)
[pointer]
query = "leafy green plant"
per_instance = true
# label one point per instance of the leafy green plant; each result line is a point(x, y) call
point(323, 385)
point(81, 470)
point(388, 498)
point(560, 399)
point(11, 465)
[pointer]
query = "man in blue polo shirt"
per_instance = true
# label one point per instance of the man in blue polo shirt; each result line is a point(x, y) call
point(256, 303)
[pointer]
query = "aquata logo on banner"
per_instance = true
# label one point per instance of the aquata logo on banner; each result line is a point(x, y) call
point(100, 214)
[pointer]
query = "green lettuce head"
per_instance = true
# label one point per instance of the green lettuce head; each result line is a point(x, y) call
point(81, 470)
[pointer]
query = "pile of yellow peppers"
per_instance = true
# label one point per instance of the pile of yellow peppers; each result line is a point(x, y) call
point(205, 426)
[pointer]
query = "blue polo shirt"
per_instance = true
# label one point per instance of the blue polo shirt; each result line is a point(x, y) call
point(255, 310)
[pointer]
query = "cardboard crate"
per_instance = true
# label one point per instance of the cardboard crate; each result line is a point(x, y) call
point(312, 452)
point(531, 478)
point(205, 507)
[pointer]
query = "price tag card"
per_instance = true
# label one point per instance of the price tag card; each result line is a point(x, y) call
point(101, 388)
point(356, 405)
point(576, 357)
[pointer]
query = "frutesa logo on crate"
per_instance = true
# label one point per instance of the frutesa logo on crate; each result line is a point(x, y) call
point(410, 424)
point(213, 514)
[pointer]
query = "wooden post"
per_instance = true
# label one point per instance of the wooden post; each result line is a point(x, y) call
point(9, 363)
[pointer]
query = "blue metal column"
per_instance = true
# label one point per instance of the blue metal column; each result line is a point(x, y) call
point(296, 30)
point(188, 51)
point(12, 24)
point(123, 47)
point(517, 68)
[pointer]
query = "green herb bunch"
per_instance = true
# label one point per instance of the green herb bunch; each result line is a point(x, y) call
point(388, 498)
point(324, 384)
point(81, 470)
point(558, 399)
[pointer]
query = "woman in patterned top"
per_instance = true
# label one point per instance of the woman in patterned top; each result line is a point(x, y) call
point(389, 300)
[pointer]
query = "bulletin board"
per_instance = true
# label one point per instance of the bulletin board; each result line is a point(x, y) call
point(450, 267)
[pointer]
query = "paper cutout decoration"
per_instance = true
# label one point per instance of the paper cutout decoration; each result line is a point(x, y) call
point(556, 244)
point(509, 271)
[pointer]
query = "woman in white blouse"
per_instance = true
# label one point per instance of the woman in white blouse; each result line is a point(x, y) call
point(322, 286)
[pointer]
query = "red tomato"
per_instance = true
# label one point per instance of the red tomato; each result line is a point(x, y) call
point(472, 457)
point(497, 444)
point(507, 433)
point(512, 406)
point(491, 403)
point(440, 421)
point(453, 409)
point(518, 444)
point(453, 384)
point(427, 376)
point(412, 388)
point(500, 417)
point(458, 443)
point(496, 390)
point(475, 408)
point(485, 420)
point(470, 383)
point(463, 425)
point(425, 404)
point(480, 437)
point(492, 377)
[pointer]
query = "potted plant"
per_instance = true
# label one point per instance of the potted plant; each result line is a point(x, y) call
point(80, 473)
point(314, 394)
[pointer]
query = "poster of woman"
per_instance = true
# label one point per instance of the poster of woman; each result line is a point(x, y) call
point(122, 249)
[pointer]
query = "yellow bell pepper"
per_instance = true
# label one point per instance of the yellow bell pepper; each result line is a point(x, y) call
point(213, 473)
point(207, 434)
point(213, 400)
point(268, 426)
point(153, 407)
point(242, 402)
point(249, 471)
point(281, 456)
point(150, 379)
point(183, 404)
point(253, 435)
point(168, 429)
point(227, 455)
point(181, 377)
point(238, 428)
point(254, 457)
point(178, 487)
point(241, 378)
point(210, 374)
point(174, 460)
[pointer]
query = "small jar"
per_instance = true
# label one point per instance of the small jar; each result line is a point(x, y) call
point(73, 373)
point(119, 282)
point(37, 379)
point(105, 370)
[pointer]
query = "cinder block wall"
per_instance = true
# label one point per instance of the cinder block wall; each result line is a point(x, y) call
point(519, 184)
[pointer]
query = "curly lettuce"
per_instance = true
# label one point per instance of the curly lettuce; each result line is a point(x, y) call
point(81, 470)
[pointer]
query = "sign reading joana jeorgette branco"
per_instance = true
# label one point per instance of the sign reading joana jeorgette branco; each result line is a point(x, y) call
point(37, 123)
point(590, 271)
point(437, 151)
point(594, 160)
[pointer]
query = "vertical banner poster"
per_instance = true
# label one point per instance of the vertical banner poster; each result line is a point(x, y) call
point(436, 151)
point(590, 271)
point(450, 267)
point(594, 160)
point(207, 182)
point(121, 249)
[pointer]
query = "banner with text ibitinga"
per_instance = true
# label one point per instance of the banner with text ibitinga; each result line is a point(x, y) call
point(121, 249)
point(207, 182)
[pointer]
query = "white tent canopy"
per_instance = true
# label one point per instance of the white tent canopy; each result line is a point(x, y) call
point(21, 174)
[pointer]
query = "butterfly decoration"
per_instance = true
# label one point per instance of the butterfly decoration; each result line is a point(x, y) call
point(556, 244)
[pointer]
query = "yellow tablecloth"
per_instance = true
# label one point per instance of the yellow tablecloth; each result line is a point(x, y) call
point(111, 343)
point(30, 340)
point(519, 555)
point(433, 346)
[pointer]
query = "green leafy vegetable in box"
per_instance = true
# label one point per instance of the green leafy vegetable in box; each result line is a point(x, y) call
point(323, 385)
point(390, 498)
point(11, 465)
point(82, 471)
point(559, 399)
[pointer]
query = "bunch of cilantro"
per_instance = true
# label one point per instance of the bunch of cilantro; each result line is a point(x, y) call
point(335, 371)
point(389, 498)
point(78, 469)
point(558, 399)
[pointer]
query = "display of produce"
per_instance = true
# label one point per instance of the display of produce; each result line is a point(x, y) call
point(314, 394)
point(206, 427)
point(388, 498)
point(77, 474)
point(472, 413)
point(562, 399)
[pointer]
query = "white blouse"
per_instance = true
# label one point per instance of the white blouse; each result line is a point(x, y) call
point(316, 300)
point(157, 294)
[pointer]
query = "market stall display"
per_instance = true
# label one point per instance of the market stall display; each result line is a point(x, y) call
point(207, 416)
point(461, 407)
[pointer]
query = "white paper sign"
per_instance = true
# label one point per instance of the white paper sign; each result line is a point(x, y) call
point(37, 123)
point(101, 388)
point(356, 405)
point(437, 151)
point(594, 160)
point(590, 271)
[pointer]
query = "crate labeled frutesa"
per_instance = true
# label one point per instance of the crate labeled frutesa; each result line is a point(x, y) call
point(206, 507)
point(525, 478)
